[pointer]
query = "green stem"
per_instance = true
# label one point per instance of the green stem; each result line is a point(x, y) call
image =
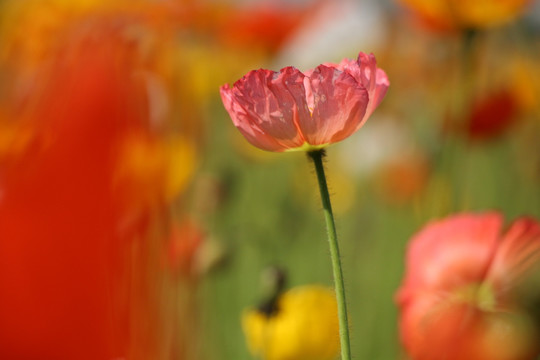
point(317, 157)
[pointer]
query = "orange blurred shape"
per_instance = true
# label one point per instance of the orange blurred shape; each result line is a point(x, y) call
point(152, 170)
point(15, 140)
point(185, 241)
point(66, 286)
point(465, 14)
point(404, 178)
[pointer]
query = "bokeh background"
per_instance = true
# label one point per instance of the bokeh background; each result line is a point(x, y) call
point(135, 221)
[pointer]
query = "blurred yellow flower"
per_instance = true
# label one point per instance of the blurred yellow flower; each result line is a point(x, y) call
point(525, 83)
point(450, 14)
point(304, 326)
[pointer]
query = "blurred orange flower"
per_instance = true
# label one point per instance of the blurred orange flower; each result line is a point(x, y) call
point(87, 95)
point(185, 241)
point(466, 14)
point(403, 178)
point(469, 288)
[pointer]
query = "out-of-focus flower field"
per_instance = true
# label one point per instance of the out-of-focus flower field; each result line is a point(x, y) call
point(136, 222)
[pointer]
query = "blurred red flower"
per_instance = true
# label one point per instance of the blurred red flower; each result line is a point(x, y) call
point(264, 25)
point(469, 289)
point(492, 116)
point(487, 117)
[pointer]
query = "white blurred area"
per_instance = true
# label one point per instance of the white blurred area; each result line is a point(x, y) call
point(337, 29)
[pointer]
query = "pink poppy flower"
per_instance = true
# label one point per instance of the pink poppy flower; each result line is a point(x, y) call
point(291, 110)
point(469, 289)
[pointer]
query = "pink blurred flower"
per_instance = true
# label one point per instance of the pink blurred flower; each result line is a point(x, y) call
point(468, 290)
point(291, 110)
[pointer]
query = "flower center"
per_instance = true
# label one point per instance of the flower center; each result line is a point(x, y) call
point(480, 295)
point(307, 147)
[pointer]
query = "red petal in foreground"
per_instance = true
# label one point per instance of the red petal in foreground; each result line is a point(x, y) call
point(462, 296)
